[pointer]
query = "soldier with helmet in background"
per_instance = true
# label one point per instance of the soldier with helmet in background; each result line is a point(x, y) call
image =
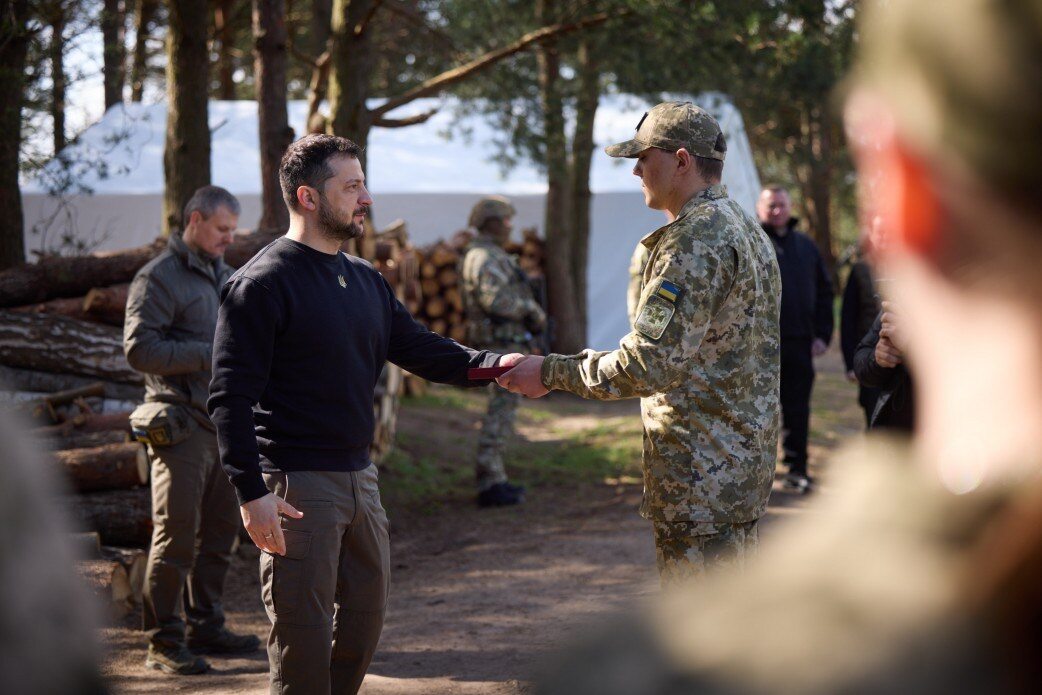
point(502, 314)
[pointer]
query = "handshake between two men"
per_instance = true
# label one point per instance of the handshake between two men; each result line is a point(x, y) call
point(525, 377)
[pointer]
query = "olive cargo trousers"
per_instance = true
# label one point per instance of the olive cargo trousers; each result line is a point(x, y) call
point(326, 597)
point(195, 518)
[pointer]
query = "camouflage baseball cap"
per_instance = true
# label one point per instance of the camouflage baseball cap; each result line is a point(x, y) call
point(670, 126)
point(489, 207)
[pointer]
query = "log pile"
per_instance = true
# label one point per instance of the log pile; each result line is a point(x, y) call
point(63, 370)
point(116, 576)
point(440, 305)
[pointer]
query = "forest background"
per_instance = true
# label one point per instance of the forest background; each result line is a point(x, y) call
point(535, 68)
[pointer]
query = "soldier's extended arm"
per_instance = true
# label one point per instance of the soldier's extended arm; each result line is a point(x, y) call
point(686, 290)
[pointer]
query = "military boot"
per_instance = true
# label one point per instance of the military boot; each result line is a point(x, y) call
point(224, 642)
point(175, 660)
point(501, 495)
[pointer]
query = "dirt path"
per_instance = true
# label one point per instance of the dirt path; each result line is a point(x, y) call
point(479, 597)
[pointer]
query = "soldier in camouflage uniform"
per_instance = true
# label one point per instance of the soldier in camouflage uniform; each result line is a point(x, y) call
point(703, 354)
point(502, 314)
point(919, 570)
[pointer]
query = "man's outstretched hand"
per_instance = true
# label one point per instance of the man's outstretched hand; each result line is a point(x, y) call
point(525, 378)
point(261, 519)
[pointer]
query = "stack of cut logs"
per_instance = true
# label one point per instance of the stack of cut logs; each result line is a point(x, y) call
point(62, 363)
point(440, 302)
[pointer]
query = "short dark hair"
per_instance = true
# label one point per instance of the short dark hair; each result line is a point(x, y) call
point(777, 188)
point(207, 199)
point(712, 170)
point(306, 163)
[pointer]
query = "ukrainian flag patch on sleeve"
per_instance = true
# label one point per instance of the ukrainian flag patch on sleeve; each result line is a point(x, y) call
point(667, 290)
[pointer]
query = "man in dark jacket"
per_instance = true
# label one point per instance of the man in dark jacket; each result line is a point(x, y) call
point(879, 364)
point(168, 336)
point(302, 334)
point(859, 311)
point(806, 325)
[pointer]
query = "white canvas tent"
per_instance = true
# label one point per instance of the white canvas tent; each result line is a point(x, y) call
point(414, 173)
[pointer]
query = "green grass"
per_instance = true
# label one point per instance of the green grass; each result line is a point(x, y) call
point(561, 442)
point(433, 461)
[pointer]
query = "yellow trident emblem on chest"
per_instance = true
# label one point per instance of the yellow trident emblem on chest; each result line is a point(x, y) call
point(343, 282)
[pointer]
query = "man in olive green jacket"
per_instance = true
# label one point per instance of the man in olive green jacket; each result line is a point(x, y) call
point(168, 336)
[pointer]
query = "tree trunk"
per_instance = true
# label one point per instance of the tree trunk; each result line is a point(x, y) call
point(121, 517)
point(46, 382)
point(72, 276)
point(186, 157)
point(588, 98)
point(145, 12)
point(561, 288)
point(14, 42)
point(107, 304)
point(88, 422)
point(58, 344)
point(134, 561)
point(56, 54)
point(86, 440)
point(269, 31)
point(226, 42)
point(352, 62)
point(821, 184)
point(71, 307)
point(246, 246)
point(109, 583)
point(113, 28)
point(319, 26)
point(101, 305)
point(106, 467)
point(46, 406)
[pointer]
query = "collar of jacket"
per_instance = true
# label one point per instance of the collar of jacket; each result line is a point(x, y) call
point(193, 260)
point(790, 226)
point(714, 192)
point(486, 241)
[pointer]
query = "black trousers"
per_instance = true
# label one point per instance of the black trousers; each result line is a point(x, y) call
point(866, 398)
point(797, 380)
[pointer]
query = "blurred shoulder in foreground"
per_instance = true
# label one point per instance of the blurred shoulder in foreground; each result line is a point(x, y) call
point(908, 588)
point(47, 640)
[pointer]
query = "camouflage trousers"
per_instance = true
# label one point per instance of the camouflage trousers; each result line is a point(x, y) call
point(683, 554)
point(496, 426)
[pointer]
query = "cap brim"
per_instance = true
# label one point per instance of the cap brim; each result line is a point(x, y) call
point(630, 149)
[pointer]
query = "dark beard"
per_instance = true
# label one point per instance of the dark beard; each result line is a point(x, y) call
point(335, 228)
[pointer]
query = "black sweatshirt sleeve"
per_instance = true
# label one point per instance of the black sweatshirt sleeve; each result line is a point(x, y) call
point(848, 316)
point(824, 320)
point(247, 324)
point(866, 369)
point(433, 357)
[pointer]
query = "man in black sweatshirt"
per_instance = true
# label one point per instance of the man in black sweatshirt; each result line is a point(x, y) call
point(302, 334)
point(806, 325)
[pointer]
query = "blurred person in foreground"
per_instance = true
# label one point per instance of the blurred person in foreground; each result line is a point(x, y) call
point(502, 315)
point(806, 325)
point(857, 314)
point(48, 643)
point(922, 571)
point(168, 337)
point(702, 355)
